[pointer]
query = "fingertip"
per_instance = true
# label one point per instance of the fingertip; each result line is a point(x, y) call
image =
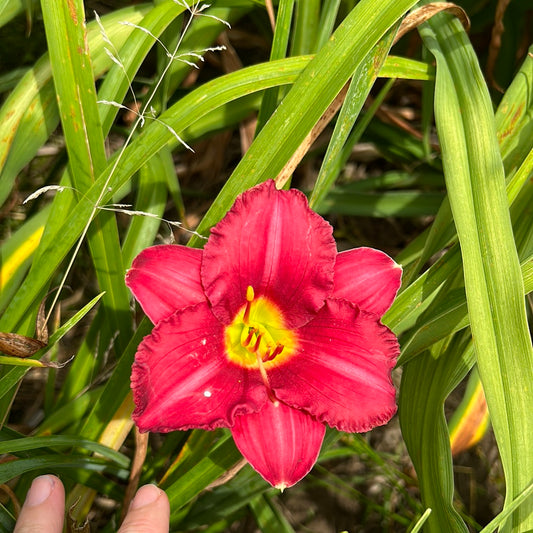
point(44, 506)
point(40, 490)
point(149, 512)
point(146, 495)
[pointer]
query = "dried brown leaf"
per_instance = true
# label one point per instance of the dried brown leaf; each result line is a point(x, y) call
point(424, 13)
point(19, 345)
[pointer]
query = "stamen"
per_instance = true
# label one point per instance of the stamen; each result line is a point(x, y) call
point(249, 299)
point(246, 342)
point(277, 350)
point(257, 343)
point(269, 356)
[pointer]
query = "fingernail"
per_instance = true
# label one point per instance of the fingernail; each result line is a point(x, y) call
point(40, 489)
point(145, 496)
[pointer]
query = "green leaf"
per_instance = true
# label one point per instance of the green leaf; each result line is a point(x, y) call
point(421, 521)
point(216, 462)
point(504, 515)
point(267, 515)
point(308, 99)
point(9, 9)
point(30, 114)
point(54, 462)
point(476, 186)
point(362, 81)
point(447, 314)
point(151, 198)
point(278, 50)
point(7, 520)
point(426, 383)
point(385, 204)
point(16, 255)
point(116, 388)
point(513, 117)
point(306, 21)
point(14, 446)
point(80, 120)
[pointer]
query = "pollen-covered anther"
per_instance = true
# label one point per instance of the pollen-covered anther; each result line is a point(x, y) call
point(246, 341)
point(255, 349)
point(249, 299)
point(270, 355)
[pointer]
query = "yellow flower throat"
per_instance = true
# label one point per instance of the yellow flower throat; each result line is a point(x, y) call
point(257, 337)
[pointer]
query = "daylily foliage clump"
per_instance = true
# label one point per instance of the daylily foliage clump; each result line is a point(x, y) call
point(268, 331)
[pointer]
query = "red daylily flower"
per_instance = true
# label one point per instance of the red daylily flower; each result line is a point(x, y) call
point(268, 331)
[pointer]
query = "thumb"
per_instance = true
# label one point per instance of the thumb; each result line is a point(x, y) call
point(149, 512)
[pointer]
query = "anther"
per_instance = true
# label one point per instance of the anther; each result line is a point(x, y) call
point(249, 337)
point(249, 299)
point(250, 293)
point(257, 343)
point(269, 356)
point(277, 350)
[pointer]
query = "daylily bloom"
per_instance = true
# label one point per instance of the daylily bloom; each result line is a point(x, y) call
point(268, 331)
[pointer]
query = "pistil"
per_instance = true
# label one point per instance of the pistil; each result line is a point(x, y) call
point(265, 379)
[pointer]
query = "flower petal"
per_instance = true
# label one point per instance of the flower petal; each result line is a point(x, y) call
point(368, 278)
point(182, 379)
point(166, 278)
point(270, 240)
point(342, 371)
point(281, 443)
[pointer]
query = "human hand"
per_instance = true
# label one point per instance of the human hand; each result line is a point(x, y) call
point(44, 509)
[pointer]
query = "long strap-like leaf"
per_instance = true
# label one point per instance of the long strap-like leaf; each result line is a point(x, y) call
point(476, 186)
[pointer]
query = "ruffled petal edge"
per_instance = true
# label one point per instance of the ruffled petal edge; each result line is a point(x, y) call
point(273, 242)
point(341, 373)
